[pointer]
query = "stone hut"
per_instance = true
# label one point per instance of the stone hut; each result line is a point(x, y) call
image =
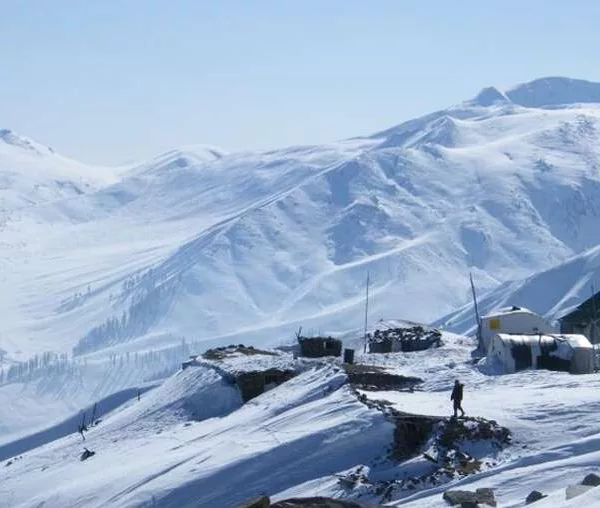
point(413, 338)
point(254, 383)
point(318, 347)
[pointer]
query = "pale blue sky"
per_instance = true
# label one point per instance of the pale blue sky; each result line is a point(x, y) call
point(107, 81)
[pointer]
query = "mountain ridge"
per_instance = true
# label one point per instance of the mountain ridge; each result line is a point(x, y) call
point(201, 243)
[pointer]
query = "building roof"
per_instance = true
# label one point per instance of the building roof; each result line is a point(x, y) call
point(585, 311)
point(573, 340)
point(509, 310)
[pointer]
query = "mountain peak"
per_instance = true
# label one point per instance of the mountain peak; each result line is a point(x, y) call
point(554, 91)
point(489, 96)
point(12, 139)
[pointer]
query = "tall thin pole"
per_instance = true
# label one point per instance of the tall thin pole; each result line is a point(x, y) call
point(594, 316)
point(366, 311)
point(479, 338)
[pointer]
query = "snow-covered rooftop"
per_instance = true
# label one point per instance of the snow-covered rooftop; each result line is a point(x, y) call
point(508, 310)
point(573, 340)
point(239, 360)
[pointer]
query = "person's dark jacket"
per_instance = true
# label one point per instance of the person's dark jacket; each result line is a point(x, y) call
point(457, 392)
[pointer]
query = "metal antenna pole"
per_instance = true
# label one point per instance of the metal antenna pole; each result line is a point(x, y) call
point(366, 311)
point(479, 338)
point(594, 316)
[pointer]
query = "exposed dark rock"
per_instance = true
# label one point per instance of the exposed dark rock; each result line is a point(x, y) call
point(486, 496)
point(257, 502)
point(371, 377)
point(221, 353)
point(353, 478)
point(320, 502)
point(458, 497)
point(468, 498)
point(86, 454)
point(472, 429)
point(593, 480)
point(455, 448)
point(534, 496)
point(411, 434)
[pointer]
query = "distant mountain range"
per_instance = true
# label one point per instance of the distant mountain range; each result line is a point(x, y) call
point(222, 247)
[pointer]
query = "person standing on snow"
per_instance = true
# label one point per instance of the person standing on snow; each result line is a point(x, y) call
point(457, 396)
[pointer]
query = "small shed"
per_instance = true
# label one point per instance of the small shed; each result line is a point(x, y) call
point(514, 320)
point(508, 353)
point(318, 347)
point(406, 339)
point(254, 383)
point(584, 319)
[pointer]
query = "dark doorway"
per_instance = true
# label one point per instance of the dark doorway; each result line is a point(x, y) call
point(522, 356)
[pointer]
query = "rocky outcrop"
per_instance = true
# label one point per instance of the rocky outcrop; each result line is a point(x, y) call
point(464, 498)
point(411, 434)
point(534, 496)
point(454, 447)
point(371, 377)
point(306, 502)
point(593, 480)
point(257, 502)
point(320, 502)
point(221, 353)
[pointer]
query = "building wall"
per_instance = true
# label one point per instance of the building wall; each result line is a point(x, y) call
point(512, 322)
point(583, 327)
point(582, 319)
point(317, 347)
point(506, 356)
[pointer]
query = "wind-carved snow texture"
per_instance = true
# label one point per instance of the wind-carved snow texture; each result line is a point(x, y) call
point(191, 441)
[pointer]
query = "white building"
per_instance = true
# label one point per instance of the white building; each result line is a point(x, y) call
point(509, 353)
point(515, 320)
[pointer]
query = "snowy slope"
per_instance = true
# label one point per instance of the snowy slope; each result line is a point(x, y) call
point(148, 452)
point(32, 174)
point(551, 293)
point(191, 442)
point(490, 185)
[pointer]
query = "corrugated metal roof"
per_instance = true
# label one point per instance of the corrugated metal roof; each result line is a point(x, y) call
point(574, 340)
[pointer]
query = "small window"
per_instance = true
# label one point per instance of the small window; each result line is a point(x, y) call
point(494, 324)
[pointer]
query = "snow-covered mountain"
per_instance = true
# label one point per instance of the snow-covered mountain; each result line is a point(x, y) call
point(133, 268)
point(551, 293)
point(32, 174)
point(202, 244)
point(192, 442)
